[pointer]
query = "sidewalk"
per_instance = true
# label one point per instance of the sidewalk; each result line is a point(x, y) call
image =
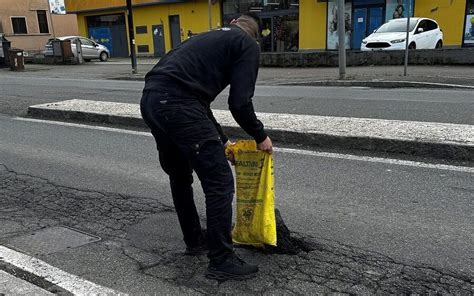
point(372, 76)
point(439, 140)
point(376, 76)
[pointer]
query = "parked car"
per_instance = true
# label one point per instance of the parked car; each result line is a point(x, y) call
point(424, 33)
point(90, 48)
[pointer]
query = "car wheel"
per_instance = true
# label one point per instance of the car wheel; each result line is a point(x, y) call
point(412, 45)
point(104, 56)
point(439, 44)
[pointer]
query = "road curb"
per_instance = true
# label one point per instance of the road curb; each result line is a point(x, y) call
point(380, 84)
point(347, 83)
point(438, 140)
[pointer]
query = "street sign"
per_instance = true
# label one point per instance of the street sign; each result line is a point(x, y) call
point(57, 6)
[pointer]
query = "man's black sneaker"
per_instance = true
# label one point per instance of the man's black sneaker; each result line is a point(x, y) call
point(233, 268)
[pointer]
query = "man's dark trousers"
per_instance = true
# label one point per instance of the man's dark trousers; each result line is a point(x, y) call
point(188, 140)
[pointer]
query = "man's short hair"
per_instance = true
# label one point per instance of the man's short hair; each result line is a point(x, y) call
point(256, 18)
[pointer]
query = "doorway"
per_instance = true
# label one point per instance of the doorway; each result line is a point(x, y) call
point(279, 32)
point(158, 40)
point(109, 30)
point(175, 30)
point(365, 21)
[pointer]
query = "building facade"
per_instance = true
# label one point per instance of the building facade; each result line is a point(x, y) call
point(288, 25)
point(160, 25)
point(28, 24)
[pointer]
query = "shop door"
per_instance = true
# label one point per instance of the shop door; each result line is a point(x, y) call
point(158, 40)
point(360, 27)
point(109, 30)
point(267, 35)
point(366, 20)
point(175, 30)
point(119, 41)
point(375, 19)
point(102, 35)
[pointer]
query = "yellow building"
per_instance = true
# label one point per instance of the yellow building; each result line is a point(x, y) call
point(159, 24)
point(288, 25)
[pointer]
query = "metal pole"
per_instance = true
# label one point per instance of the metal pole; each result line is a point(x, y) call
point(51, 18)
point(209, 7)
point(341, 32)
point(131, 36)
point(406, 40)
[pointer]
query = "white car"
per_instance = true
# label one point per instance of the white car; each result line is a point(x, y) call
point(424, 33)
point(90, 48)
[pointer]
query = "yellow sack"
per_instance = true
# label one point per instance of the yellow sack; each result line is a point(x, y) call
point(255, 223)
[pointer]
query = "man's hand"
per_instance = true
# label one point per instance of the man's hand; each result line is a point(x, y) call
point(229, 155)
point(266, 145)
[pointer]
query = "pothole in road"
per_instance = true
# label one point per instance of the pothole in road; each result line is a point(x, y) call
point(287, 243)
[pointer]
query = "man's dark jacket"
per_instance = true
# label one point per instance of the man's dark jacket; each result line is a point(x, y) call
point(202, 66)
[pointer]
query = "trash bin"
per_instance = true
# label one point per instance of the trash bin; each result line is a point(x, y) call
point(66, 49)
point(17, 60)
point(57, 48)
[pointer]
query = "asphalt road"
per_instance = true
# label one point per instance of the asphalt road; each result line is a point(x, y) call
point(399, 224)
point(432, 105)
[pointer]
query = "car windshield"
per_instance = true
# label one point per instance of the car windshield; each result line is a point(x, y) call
point(397, 26)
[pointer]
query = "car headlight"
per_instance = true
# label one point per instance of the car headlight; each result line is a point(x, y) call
point(397, 41)
point(364, 41)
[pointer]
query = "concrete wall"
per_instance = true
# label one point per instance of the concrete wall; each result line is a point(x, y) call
point(312, 27)
point(358, 58)
point(34, 40)
point(65, 25)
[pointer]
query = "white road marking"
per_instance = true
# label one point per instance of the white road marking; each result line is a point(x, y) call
point(67, 281)
point(94, 127)
point(11, 285)
point(282, 150)
point(378, 160)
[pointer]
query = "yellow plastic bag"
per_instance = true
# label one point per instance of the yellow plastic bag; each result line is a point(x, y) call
point(255, 216)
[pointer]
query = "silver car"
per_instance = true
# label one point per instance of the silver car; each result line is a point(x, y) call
point(90, 49)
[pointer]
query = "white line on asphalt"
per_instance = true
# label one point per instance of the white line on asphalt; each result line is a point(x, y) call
point(378, 160)
point(95, 127)
point(282, 150)
point(10, 284)
point(67, 281)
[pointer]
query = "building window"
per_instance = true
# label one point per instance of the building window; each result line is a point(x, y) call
point(280, 21)
point(143, 48)
point(42, 21)
point(19, 25)
point(141, 29)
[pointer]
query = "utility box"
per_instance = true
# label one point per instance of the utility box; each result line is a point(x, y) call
point(66, 49)
point(62, 51)
point(17, 60)
point(57, 48)
point(4, 55)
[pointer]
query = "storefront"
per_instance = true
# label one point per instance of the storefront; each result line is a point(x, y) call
point(468, 38)
point(280, 20)
point(109, 30)
point(160, 25)
point(362, 17)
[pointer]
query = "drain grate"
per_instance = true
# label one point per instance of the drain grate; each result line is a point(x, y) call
point(51, 240)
